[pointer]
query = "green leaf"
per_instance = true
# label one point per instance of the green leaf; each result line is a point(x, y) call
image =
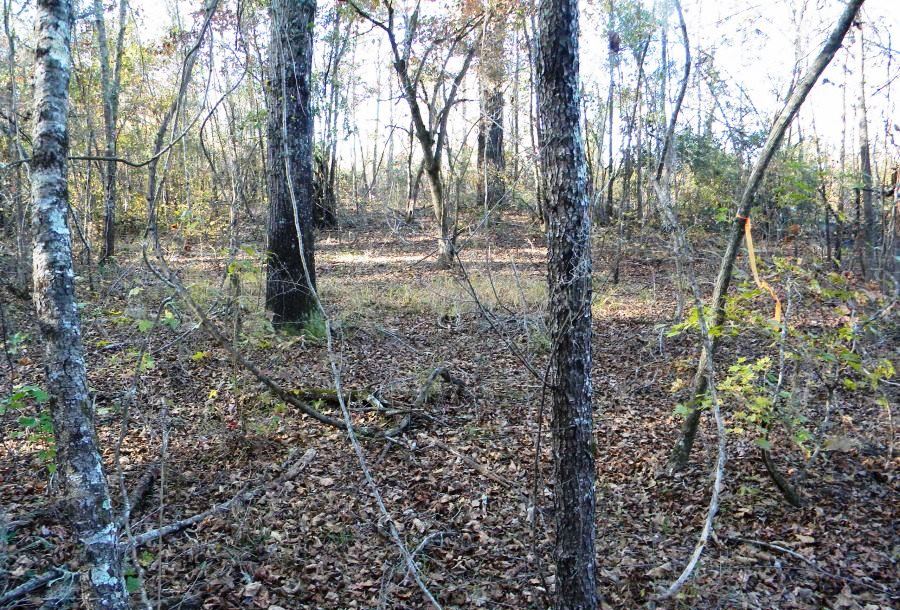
point(147, 363)
point(682, 410)
point(763, 444)
point(132, 583)
point(144, 325)
point(170, 320)
point(135, 292)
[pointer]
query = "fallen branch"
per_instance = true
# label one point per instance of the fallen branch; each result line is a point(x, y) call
point(143, 487)
point(389, 574)
point(34, 584)
point(242, 496)
point(813, 564)
point(478, 467)
point(166, 275)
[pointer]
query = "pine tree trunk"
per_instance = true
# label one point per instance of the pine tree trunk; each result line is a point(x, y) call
point(291, 274)
point(569, 276)
point(79, 464)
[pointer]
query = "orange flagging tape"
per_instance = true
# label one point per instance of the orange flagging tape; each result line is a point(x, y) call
point(751, 253)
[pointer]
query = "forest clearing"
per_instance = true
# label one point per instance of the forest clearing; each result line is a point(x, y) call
point(391, 305)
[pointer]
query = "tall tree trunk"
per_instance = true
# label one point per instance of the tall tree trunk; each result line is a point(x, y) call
point(291, 275)
point(569, 277)
point(16, 152)
point(110, 77)
point(685, 442)
point(865, 165)
point(535, 132)
point(842, 190)
point(78, 459)
point(613, 48)
point(491, 74)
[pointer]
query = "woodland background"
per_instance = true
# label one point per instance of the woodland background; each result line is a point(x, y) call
point(437, 322)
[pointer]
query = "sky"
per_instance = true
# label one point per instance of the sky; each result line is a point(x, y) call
point(752, 42)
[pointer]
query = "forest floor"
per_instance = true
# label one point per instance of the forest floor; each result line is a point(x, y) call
point(458, 481)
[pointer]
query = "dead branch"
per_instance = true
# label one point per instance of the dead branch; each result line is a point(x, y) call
point(143, 488)
point(812, 564)
point(475, 465)
point(681, 246)
point(242, 496)
point(34, 584)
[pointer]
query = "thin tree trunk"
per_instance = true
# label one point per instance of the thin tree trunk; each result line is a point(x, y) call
point(613, 57)
point(683, 446)
point(16, 152)
point(569, 277)
point(491, 75)
point(78, 458)
point(110, 77)
point(865, 165)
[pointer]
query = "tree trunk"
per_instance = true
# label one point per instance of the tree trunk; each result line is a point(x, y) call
point(109, 80)
point(613, 57)
point(569, 277)
point(291, 274)
point(683, 446)
point(491, 74)
point(16, 152)
point(79, 463)
point(865, 165)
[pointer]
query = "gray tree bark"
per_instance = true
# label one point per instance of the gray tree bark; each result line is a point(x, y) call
point(291, 275)
point(79, 464)
point(569, 277)
point(683, 446)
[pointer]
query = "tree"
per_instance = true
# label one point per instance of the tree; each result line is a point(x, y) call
point(331, 96)
point(432, 136)
point(491, 74)
point(110, 79)
point(291, 275)
point(685, 442)
point(78, 459)
point(569, 277)
point(867, 253)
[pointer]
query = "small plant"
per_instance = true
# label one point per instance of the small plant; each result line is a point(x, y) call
point(315, 328)
point(15, 343)
point(34, 428)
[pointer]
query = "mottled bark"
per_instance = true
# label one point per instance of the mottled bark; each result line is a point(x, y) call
point(491, 72)
point(291, 274)
point(682, 449)
point(569, 277)
point(79, 463)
